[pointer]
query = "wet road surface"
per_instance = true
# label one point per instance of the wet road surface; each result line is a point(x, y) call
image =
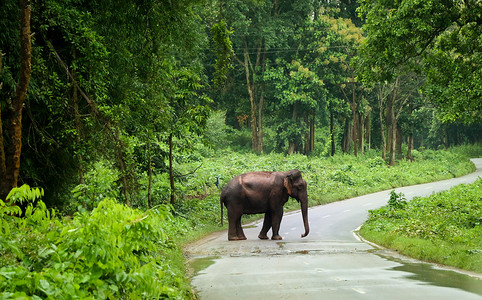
point(331, 263)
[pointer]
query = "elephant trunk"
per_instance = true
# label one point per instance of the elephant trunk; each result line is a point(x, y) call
point(304, 214)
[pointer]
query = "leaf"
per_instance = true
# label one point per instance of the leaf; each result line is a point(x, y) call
point(45, 252)
point(45, 286)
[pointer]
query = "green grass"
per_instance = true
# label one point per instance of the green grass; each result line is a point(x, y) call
point(444, 228)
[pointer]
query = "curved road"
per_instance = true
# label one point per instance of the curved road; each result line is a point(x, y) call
point(331, 263)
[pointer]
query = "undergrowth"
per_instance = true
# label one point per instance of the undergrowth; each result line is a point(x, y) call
point(112, 252)
point(444, 228)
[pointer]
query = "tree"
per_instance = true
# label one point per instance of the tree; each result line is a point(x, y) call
point(297, 89)
point(257, 26)
point(439, 39)
point(94, 87)
point(338, 40)
point(11, 115)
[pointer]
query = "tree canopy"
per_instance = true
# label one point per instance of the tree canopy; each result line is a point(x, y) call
point(440, 39)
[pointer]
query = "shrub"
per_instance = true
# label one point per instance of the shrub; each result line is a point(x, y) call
point(112, 252)
point(396, 201)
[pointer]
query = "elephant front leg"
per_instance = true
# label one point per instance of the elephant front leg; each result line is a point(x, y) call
point(266, 226)
point(276, 221)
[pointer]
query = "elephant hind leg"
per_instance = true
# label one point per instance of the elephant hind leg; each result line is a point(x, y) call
point(239, 230)
point(235, 231)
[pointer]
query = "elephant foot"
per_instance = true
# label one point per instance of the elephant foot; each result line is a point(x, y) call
point(236, 238)
point(277, 237)
point(263, 236)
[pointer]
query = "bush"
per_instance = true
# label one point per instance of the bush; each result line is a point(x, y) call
point(100, 183)
point(112, 252)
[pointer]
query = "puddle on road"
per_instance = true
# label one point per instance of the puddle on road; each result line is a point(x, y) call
point(426, 273)
point(281, 244)
point(201, 263)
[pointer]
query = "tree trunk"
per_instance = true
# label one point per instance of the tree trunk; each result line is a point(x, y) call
point(410, 135)
point(393, 143)
point(362, 135)
point(122, 166)
point(149, 171)
point(310, 135)
point(250, 86)
point(393, 124)
point(410, 147)
point(312, 132)
point(292, 144)
point(347, 136)
point(3, 166)
point(171, 172)
point(307, 143)
point(399, 141)
point(261, 100)
point(382, 127)
point(260, 123)
point(389, 124)
point(332, 132)
point(354, 129)
point(10, 165)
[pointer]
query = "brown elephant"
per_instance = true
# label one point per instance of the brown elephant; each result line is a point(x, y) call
point(263, 192)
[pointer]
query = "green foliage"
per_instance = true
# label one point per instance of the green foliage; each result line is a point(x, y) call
point(117, 252)
point(216, 134)
point(396, 201)
point(445, 227)
point(100, 183)
point(110, 253)
point(224, 51)
point(439, 39)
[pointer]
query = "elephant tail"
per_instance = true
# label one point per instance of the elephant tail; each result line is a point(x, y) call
point(221, 203)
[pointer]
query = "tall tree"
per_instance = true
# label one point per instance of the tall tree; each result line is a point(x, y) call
point(297, 89)
point(338, 39)
point(11, 139)
point(257, 37)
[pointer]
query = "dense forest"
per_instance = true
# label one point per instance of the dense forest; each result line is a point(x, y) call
point(133, 88)
point(128, 116)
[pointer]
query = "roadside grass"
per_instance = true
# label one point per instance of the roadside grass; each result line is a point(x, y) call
point(443, 228)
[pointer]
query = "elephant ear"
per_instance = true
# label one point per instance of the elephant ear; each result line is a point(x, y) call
point(288, 184)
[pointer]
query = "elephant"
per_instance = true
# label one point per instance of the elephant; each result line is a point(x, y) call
point(263, 192)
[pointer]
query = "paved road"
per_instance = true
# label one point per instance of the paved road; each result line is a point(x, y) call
point(331, 263)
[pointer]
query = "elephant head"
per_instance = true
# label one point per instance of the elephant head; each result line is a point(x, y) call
point(297, 188)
